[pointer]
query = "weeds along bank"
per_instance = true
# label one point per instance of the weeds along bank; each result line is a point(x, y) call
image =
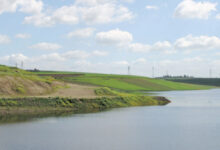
point(20, 83)
point(35, 107)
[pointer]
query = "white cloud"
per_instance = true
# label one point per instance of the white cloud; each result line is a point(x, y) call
point(197, 43)
point(114, 37)
point(30, 6)
point(96, 2)
point(192, 9)
point(158, 46)
point(128, 1)
point(66, 15)
point(89, 12)
point(55, 57)
point(51, 61)
point(63, 15)
point(26, 6)
point(123, 39)
point(22, 36)
point(165, 45)
point(139, 61)
point(4, 39)
point(123, 63)
point(185, 44)
point(105, 13)
point(92, 2)
point(15, 58)
point(82, 33)
point(40, 20)
point(46, 46)
point(69, 55)
point(76, 54)
point(138, 47)
point(99, 53)
point(196, 66)
point(152, 7)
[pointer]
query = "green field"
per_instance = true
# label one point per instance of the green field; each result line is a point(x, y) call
point(200, 81)
point(112, 91)
point(123, 82)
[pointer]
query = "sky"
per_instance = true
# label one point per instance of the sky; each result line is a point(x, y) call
point(106, 36)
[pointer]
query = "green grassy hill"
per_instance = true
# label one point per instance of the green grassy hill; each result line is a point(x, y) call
point(200, 81)
point(123, 82)
point(14, 82)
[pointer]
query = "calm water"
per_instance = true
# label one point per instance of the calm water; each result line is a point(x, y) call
point(191, 122)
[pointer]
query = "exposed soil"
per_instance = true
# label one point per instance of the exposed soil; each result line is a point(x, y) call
point(15, 86)
point(74, 91)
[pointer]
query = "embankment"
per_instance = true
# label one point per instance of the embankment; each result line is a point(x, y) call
point(23, 108)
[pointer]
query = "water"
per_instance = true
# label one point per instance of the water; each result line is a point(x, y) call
point(190, 122)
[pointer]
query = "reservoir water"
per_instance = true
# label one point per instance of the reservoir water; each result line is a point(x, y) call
point(190, 122)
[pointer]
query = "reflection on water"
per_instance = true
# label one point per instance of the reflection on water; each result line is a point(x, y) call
point(6, 119)
point(22, 118)
point(190, 122)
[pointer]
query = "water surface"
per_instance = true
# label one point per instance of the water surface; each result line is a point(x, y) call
point(190, 122)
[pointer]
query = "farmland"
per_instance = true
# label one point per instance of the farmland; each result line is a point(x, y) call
point(122, 82)
point(28, 94)
point(200, 81)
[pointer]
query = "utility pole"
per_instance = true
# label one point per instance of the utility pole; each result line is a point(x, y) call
point(153, 72)
point(210, 73)
point(129, 68)
point(22, 65)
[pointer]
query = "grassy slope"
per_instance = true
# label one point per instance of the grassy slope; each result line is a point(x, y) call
point(128, 83)
point(14, 81)
point(200, 81)
point(13, 71)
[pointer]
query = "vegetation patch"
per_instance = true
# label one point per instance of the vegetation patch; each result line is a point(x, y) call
point(16, 82)
point(38, 106)
point(105, 92)
point(123, 82)
point(20, 89)
point(200, 81)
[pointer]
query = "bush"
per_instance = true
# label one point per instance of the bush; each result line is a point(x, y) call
point(105, 92)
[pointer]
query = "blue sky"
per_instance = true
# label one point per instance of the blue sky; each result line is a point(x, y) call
point(107, 36)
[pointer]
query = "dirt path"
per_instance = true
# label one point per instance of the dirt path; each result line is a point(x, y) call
point(75, 91)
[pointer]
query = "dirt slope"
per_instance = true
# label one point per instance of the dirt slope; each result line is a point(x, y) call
point(74, 91)
point(14, 86)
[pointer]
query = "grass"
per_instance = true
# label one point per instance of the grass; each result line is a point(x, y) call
point(115, 91)
point(20, 108)
point(200, 81)
point(16, 72)
point(125, 82)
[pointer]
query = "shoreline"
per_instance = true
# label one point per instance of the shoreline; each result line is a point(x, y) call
point(23, 109)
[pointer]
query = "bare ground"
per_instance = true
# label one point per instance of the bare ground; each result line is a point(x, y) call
point(74, 91)
point(9, 85)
